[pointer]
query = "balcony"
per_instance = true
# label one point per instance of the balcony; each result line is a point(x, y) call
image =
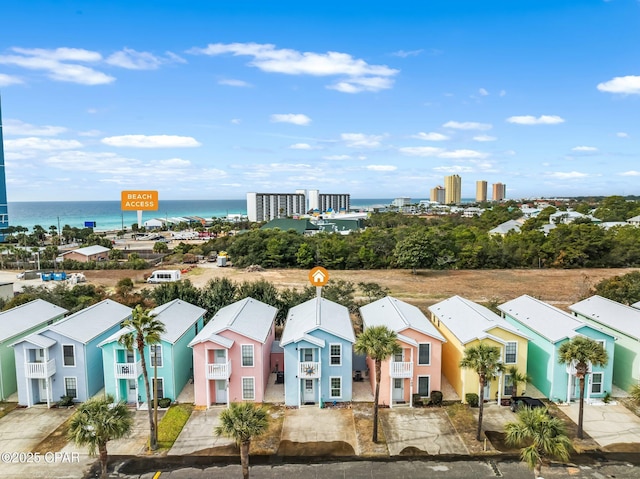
point(128, 370)
point(399, 369)
point(309, 370)
point(219, 370)
point(40, 370)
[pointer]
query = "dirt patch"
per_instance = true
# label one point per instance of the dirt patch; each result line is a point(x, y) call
point(466, 426)
point(228, 450)
point(621, 447)
point(363, 419)
point(412, 451)
point(498, 442)
point(268, 443)
point(7, 407)
point(315, 449)
point(55, 441)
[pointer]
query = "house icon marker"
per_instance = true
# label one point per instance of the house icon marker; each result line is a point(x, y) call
point(318, 276)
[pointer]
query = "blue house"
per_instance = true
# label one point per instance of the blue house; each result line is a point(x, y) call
point(318, 344)
point(548, 328)
point(64, 359)
point(123, 377)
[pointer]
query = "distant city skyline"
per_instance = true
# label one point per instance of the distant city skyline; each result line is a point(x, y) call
point(223, 98)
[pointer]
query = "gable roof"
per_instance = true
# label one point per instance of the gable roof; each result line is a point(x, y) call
point(397, 316)
point(504, 228)
point(625, 319)
point(89, 250)
point(636, 305)
point(248, 317)
point(546, 320)
point(317, 314)
point(27, 316)
point(178, 316)
point(469, 321)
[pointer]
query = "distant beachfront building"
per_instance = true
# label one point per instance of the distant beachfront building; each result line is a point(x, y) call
point(452, 189)
point(499, 191)
point(328, 202)
point(4, 210)
point(400, 202)
point(437, 195)
point(268, 206)
point(481, 191)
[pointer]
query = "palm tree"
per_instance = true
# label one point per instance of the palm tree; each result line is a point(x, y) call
point(97, 422)
point(379, 343)
point(583, 352)
point(243, 422)
point(516, 378)
point(486, 361)
point(634, 392)
point(142, 329)
point(545, 435)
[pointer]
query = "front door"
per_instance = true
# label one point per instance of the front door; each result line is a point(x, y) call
point(398, 389)
point(221, 391)
point(43, 390)
point(487, 391)
point(39, 356)
point(132, 392)
point(309, 395)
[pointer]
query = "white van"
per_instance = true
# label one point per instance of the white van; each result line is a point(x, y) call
point(164, 276)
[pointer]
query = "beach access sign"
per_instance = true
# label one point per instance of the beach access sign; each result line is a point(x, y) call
point(146, 200)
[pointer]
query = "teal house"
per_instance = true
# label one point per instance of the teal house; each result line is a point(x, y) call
point(173, 357)
point(548, 328)
point(15, 324)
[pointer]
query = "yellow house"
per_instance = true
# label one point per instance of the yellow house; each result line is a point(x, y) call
point(465, 324)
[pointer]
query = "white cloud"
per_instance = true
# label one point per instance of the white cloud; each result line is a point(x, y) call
point(584, 148)
point(484, 138)
point(90, 133)
point(421, 150)
point(61, 54)
point(41, 144)
point(409, 53)
point(532, 120)
point(174, 163)
point(457, 154)
point(20, 128)
point(454, 169)
point(90, 161)
point(358, 74)
point(294, 118)
point(236, 121)
point(467, 125)
point(134, 60)
point(630, 173)
point(628, 85)
point(483, 92)
point(431, 151)
point(622, 134)
point(6, 80)
point(151, 141)
point(431, 136)
point(360, 140)
point(236, 83)
point(381, 167)
point(336, 157)
point(571, 175)
point(502, 93)
point(301, 146)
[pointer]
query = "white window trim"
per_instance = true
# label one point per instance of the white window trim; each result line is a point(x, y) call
point(64, 383)
point(253, 356)
point(418, 384)
point(331, 356)
point(505, 353)
point(331, 387)
point(152, 351)
point(504, 385)
point(74, 356)
point(253, 387)
point(592, 382)
point(603, 342)
point(418, 359)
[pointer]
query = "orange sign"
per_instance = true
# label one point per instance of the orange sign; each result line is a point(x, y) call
point(139, 200)
point(318, 276)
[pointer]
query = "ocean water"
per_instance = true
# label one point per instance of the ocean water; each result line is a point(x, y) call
point(108, 215)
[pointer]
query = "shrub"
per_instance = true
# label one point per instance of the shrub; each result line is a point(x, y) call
point(164, 402)
point(65, 401)
point(472, 399)
point(436, 398)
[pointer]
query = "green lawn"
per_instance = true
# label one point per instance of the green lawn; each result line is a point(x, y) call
point(172, 423)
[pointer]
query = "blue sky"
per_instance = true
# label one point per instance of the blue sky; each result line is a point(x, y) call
point(212, 99)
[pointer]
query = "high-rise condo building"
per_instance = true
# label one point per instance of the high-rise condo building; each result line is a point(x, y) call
point(499, 191)
point(481, 191)
point(4, 210)
point(267, 206)
point(324, 202)
point(437, 194)
point(452, 189)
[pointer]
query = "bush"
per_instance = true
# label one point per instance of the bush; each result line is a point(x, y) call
point(472, 399)
point(436, 398)
point(164, 402)
point(65, 401)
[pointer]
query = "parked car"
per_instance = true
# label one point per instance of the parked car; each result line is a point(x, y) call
point(518, 402)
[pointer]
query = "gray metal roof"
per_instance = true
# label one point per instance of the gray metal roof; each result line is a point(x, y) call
point(504, 228)
point(317, 313)
point(90, 322)
point(27, 316)
point(546, 320)
point(397, 316)
point(636, 305)
point(178, 316)
point(625, 319)
point(90, 250)
point(248, 317)
point(469, 321)
point(37, 340)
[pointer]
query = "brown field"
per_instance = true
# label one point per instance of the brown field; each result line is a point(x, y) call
point(560, 287)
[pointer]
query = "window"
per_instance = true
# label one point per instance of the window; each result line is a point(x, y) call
point(596, 383)
point(248, 389)
point(71, 387)
point(335, 354)
point(247, 355)
point(68, 355)
point(511, 352)
point(602, 343)
point(508, 386)
point(160, 387)
point(335, 386)
point(423, 386)
point(307, 354)
point(424, 354)
point(156, 355)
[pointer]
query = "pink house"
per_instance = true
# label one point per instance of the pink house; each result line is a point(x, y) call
point(417, 369)
point(231, 355)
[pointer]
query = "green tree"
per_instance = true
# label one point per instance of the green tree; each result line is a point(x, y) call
point(516, 378)
point(486, 361)
point(141, 330)
point(544, 436)
point(218, 293)
point(243, 422)
point(583, 353)
point(624, 289)
point(379, 343)
point(634, 392)
point(124, 286)
point(116, 254)
point(160, 247)
point(98, 421)
point(184, 290)
point(415, 251)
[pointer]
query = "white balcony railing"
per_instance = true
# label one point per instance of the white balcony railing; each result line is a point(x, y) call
point(40, 370)
point(128, 370)
point(309, 370)
point(219, 370)
point(401, 369)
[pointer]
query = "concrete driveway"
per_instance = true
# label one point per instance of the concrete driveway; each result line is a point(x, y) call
point(197, 435)
point(427, 430)
point(23, 429)
point(494, 417)
point(607, 424)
